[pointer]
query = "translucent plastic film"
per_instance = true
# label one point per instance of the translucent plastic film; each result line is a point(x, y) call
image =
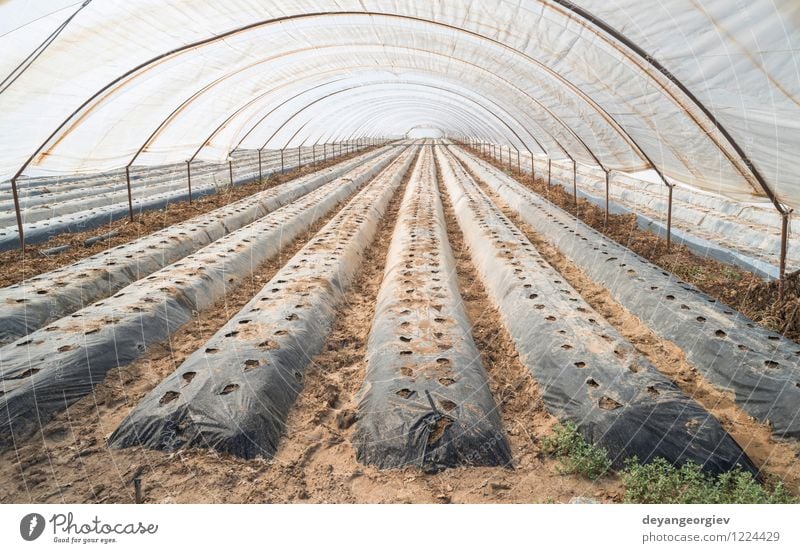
point(708, 93)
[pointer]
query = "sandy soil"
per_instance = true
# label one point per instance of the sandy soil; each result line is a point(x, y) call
point(735, 287)
point(68, 461)
point(778, 460)
point(16, 266)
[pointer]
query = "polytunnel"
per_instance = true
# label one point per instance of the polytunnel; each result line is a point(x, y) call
point(683, 115)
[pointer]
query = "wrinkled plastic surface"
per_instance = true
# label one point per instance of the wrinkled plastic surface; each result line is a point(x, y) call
point(51, 368)
point(425, 399)
point(234, 393)
point(586, 371)
point(90, 211)
point(759, 368)
point(307, 71)
point(747, 235)
point(31, 304)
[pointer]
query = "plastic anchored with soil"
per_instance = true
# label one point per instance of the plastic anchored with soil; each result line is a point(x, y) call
point(758, 367)
point(74, 216)
point(234, 393)
point(587, 372)
point(53, 367)
point(31, 304)
point(425, 400)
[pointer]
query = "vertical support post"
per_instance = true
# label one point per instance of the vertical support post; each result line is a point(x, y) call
point(19, 214)
point(607, 183)
point(324, 152)
point(137, 489)
point(519, 167)
point(189, 178)
point(314, 155)
point(575, 184)
point(549, 171)
point(282, 170)
point(669, 216)
point(130, 196)
point(299, 158)
point(230, 168)
point(784, 247)
point(260, 172)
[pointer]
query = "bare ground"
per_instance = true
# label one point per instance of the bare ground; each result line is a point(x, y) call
point(16, 266)
point(777, 459)
point(68, 461)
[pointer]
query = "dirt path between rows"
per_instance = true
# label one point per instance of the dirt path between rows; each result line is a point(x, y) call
point(16, 266)
point(735, 287)
point(69, 462)
point(535, 477)
point(776, 459)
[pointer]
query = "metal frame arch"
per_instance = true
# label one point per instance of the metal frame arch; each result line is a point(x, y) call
point(366, 126)
point(482, 108)
point(747, 162)
point(176, 51)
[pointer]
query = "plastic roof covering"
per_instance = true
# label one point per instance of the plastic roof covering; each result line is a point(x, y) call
point(536, 75)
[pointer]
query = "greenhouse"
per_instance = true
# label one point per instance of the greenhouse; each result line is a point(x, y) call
point(404, 248)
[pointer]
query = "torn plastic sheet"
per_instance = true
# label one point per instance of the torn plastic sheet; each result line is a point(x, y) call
point(587, 372)
point(52, 368)
point(234, 393)
point(759, 368)
point(425, 400)
point(33, 303)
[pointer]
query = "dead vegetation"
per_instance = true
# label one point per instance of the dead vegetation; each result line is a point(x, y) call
point(735, 287)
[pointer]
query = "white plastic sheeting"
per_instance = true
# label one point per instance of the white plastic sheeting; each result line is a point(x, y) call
point(154, 81)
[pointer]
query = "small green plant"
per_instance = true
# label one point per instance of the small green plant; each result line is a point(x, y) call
point(660, 482)
point(730, 274)
point(574, 454)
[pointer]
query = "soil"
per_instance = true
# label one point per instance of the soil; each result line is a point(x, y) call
point(16, 266)
point(68, 461)
point(735, 287)
point(778, 460)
